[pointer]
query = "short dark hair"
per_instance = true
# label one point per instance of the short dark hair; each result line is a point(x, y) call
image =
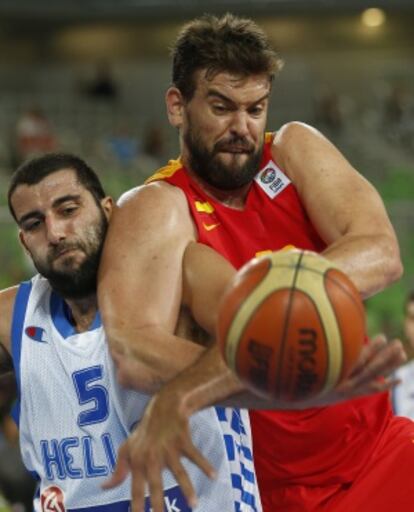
point(232, 44)
point(35, 170)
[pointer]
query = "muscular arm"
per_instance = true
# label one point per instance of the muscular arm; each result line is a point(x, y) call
point(7, 379)
point(343, 206)
point(209, 381)
point(140, 285)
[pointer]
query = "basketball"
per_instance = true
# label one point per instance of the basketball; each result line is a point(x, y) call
point(291, 325)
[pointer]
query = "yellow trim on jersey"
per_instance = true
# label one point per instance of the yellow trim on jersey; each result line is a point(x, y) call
point(263, 253)
point(269, 136)
point(204, 207)
point(165, 172)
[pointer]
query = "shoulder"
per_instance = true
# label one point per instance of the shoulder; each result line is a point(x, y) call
point(153, 196)
point(295, 132)
point(7, 300)
point(158, 207)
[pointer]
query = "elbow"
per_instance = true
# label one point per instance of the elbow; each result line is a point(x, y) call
point(394, 268)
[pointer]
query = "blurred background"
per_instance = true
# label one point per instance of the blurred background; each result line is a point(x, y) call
point(89, 76)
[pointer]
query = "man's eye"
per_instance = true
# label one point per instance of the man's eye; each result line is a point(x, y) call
point(31, 226)
point(256, 111)
point(69, 210)
point(220, 109)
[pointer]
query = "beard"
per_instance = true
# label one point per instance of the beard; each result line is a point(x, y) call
point(208, 165)
point(76, 281)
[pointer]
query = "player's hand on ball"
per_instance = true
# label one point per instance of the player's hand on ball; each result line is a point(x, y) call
point(159, 441)
point(375, 368)
point(373, 372)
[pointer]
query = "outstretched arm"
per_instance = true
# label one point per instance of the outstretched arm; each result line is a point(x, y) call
point(344, 207)
point(163, 434)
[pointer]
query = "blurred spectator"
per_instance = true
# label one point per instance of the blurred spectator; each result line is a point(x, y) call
point(152, 155)
point(329, 112)
point(33, 135)
point(103, 86)
point(123, 146)
point(398, 116)
point(403, 397)
point(396, 105)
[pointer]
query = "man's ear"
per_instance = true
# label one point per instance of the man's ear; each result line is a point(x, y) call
point(175, 106)
point(107, 204)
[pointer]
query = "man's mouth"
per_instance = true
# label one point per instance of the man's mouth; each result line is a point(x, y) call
point(235, 150)
point(65, 252)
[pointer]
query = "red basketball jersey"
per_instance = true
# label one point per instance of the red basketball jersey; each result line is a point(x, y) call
point(319, 446)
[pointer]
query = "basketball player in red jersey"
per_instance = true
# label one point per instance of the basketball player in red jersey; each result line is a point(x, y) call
point(243, 192)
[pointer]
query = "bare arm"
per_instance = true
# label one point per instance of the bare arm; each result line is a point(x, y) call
point(7, 379)
point(343, 206)
point(163, 434)
point(209, 381)
point(140, 285)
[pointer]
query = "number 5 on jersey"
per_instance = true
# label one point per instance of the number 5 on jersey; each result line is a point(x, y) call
point(89, 391)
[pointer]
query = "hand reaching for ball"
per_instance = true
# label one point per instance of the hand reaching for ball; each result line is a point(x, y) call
point(163, 437)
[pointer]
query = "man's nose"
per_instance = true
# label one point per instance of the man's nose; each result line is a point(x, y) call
point(55, 229)
point(240, 124)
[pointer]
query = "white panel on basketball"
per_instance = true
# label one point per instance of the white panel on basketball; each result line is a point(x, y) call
point(277, 275)
point(310, 280)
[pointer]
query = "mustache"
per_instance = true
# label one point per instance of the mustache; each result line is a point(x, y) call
point(57, 250)
point(234, 143)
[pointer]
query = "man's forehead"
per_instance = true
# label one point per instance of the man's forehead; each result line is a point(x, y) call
point(206, 80)
point(65, 179)
point(58, 184)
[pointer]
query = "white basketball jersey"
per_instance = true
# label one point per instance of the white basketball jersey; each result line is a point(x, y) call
point(73, 416)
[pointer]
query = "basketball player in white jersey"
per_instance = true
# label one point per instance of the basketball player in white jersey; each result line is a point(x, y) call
point(72, 413)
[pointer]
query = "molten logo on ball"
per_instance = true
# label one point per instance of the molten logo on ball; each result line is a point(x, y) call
point(306, 376)
point(261, 355)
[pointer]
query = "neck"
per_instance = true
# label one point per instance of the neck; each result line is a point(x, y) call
point(83, 311)
point(235, 198)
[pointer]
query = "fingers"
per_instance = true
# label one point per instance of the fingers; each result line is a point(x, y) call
point(138, 491)
point(383, 362)
point(122, 469)
point(181, 476)
point(368, 352)
point(199, 460)
point(155, 486)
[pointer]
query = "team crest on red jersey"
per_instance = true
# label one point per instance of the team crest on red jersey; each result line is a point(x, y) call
point(52, 499)
point(272, 180)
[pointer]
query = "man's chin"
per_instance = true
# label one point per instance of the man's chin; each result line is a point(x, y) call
point(68, 262)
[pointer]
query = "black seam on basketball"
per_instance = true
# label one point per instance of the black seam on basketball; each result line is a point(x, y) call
point(285, 327)
point(338, 283)
point(237, 312)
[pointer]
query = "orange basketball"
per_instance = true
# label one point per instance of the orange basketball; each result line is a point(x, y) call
point(291, 325)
